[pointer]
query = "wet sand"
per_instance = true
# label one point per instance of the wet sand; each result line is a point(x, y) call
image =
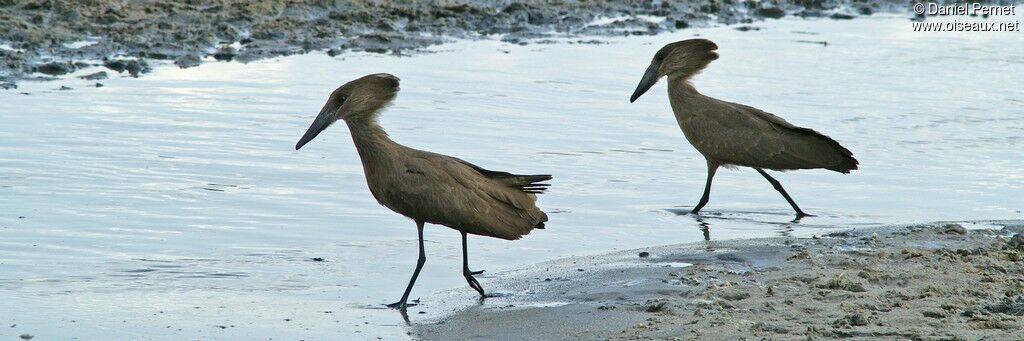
point(937, 281)
point(44, 39)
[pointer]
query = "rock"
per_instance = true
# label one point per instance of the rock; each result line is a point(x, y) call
point(225, 54)
point(136, 67)
point(852, 320)
point(1009, 306)
point(1014, 229)
point(734, 295)
point(769, 327)
point(654, 307)
point(954, 229)
point(183, 31)
point(812, 13)
point(770, 12)
point(713, 304)
point(840, 234)
point(65, 88)
point(227, 32)
point(645, 254)
point(800, 254)
point(842, 16)
point(188, 61)
point(839, 283)
point(55, 68)
point(116, 65)
point(1016, 242)
point(133, 66)
point(95, 76)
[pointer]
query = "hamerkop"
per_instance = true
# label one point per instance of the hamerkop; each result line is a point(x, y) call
point(732, 134)
point(428, 187)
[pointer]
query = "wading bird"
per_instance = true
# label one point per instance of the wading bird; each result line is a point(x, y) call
point(732, 134)
point(428, 187)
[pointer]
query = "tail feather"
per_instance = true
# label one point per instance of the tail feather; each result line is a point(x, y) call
point(527, 183)
point(846, 163)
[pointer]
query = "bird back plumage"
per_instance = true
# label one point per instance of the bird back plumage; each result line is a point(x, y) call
point(735, 134)
point(448, 191)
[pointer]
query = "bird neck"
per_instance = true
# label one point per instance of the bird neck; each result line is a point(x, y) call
point(680, 91)
point(680, 84)
point(372, 142)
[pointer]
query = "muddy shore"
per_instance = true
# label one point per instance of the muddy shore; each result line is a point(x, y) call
point(45, 39)
point(927, 282)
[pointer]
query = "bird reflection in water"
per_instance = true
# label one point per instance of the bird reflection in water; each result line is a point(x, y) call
point(704, 222)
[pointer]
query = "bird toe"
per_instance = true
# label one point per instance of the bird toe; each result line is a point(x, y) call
point(400, 305)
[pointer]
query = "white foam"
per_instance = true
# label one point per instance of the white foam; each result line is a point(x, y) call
point(8, 47)
point(80, 44)
point(608, 20)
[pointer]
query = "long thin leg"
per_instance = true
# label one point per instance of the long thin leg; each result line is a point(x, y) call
point(778, 187)
point(712, 168)
point(401, 304)
point(465, 269)
point(465, 263)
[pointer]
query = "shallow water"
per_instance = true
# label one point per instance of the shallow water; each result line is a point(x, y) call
point(175, 206)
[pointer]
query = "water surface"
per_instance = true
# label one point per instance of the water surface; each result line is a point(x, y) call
point(174, 206)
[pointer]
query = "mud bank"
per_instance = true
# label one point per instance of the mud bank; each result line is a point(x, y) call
point(938, 281)
point(44, 39)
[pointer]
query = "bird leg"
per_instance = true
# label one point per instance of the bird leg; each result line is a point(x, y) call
point(712, 168)
point(469, 274)
point(778, 187)
point(401, 304)
point(465, 263)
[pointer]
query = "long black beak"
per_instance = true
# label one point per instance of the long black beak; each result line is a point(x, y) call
point(322, 121)
point(650, 77)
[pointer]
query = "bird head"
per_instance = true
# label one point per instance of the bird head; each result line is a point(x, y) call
point(683, 58)
point(360, 99)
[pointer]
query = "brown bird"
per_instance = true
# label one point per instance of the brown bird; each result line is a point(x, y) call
point(428, 187)
point(731, 134)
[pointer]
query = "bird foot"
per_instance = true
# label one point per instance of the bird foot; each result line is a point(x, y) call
point(474, 284)
point(483, 297)
point(401, 305)
point(476, 272)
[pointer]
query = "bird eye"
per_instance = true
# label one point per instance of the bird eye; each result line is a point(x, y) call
point(341, 99)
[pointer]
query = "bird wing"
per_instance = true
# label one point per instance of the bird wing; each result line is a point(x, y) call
point(738, 134)
point(444, 190)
